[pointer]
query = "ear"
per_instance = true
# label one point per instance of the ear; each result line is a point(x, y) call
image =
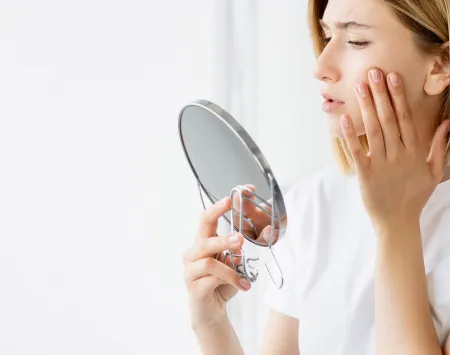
point(438, 77)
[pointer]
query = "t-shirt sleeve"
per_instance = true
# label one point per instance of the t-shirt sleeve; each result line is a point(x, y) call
point(439, 295)
point(285, 300)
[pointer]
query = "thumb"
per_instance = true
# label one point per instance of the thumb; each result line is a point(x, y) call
point(436, 157)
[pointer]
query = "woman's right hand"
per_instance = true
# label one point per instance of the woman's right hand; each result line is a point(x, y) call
point(211, 282)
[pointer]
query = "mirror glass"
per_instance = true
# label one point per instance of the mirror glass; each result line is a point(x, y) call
point(222, 157)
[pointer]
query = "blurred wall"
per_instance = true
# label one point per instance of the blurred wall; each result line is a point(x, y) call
point(267, 70)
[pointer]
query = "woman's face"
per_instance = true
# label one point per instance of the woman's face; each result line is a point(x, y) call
point(387, 45)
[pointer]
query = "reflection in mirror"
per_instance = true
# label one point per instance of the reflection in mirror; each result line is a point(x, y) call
point(227, 162)
point(222, 160)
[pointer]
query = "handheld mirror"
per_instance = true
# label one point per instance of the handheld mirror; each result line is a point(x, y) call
point(227, 162)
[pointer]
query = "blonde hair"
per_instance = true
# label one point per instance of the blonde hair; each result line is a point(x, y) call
point(429, 20)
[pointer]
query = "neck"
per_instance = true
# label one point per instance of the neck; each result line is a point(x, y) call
point(446, 174)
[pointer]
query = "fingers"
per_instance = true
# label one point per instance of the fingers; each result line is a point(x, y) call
point(353, 143)
point(248, 209)
point(265, 235)
point(385, 112)
point(231, 261)
point(369, 114)
point(209, 266)
point(246, 204)
point(258, 218)
point(205, 286)
point(210, 246)
point(210, 218)
point(406, 126)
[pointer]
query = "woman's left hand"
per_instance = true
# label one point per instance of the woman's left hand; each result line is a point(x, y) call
point(396, 178)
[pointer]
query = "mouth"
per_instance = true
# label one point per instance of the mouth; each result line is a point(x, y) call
point(330, 105)
point(329, 98)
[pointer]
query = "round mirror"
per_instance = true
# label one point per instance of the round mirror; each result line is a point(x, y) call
point(227, 162)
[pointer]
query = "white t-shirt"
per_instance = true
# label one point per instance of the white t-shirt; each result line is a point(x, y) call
point(328, 257)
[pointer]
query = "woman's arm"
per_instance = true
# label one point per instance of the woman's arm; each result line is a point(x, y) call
point(219, 339)
point(403, 323)
point(280, 336)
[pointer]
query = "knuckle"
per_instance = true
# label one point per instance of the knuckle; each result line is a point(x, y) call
point(356, 148)
point(393, 156)
point(225, 241)
point(388, 119)
point(379, 89)
point(207, 263)
point(201, 246)
point(396, 92)
point(374, 132)
point(404, 115)
point(366, 101)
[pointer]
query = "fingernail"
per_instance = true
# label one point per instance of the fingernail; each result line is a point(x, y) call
point(362, 90)
point(266, 235)
point(395, 80)
point(245, 284)
point(344, 120)
point(375, 74)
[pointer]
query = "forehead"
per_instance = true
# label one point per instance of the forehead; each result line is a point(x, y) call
point(361, 11)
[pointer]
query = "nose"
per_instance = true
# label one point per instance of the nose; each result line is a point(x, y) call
point(326, 68)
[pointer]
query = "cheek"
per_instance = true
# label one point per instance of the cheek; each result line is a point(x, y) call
point(352, 105)
point(413, 92)
point(353, 109)
point(414, 89)
point(360, 77)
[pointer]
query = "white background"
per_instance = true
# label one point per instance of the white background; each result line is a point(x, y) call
point(97, 202)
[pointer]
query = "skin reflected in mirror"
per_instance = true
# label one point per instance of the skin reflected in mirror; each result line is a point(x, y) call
point(261, 220)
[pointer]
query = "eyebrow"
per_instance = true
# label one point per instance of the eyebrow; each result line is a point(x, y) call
point(348, 25)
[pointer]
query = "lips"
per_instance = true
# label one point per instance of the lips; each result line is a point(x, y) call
point(330, 98)
point(330, 106)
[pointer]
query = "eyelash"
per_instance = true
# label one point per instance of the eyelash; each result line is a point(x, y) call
point(357, 44)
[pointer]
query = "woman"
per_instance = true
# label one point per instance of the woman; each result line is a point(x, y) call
point(366, 259)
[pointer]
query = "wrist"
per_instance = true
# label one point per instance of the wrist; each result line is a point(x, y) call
point(219, 338)
point(397, 231)
point(217, 323)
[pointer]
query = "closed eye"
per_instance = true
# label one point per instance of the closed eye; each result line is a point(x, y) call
point(353, 43)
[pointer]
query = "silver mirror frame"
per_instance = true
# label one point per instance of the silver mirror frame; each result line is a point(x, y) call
point(278, 207)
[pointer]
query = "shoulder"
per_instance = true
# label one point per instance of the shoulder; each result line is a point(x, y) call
point(326, 184)
point(319, 202)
